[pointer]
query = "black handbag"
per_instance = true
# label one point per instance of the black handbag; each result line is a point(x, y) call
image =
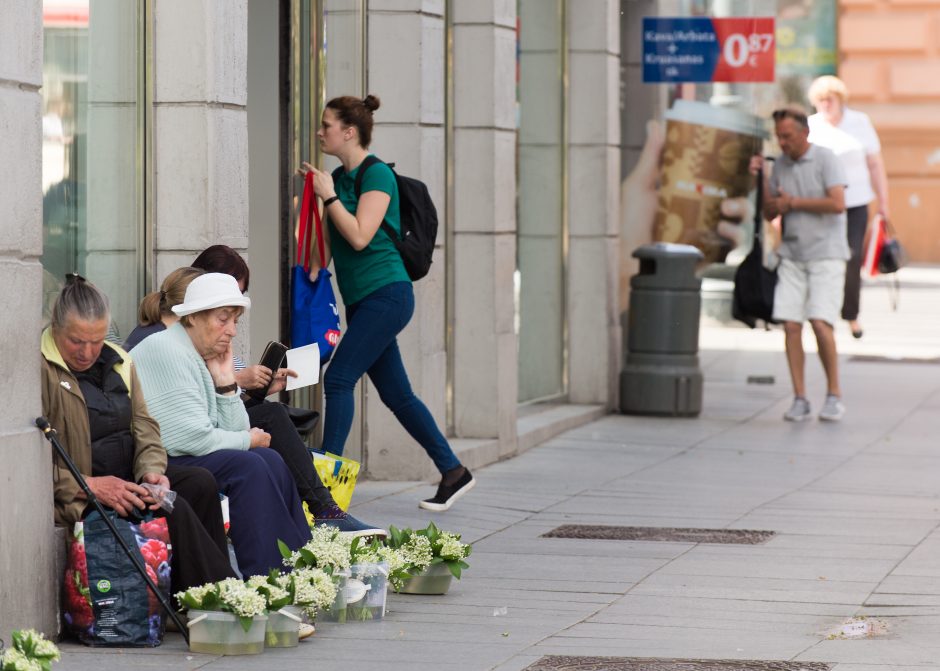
point(892, 257)
point(754, 284)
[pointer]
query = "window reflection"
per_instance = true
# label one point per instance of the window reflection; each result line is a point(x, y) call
point(90, 171)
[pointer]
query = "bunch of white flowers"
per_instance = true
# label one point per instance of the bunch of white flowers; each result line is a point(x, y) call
point(14, 660)
point(276, 596)
point(451, 547)
point(430, 546)
point(313, 590)
point(31, 651)
point(240, 599)
point(382, 553)
point(326, 548)
point(418, 552)
point(196, 595)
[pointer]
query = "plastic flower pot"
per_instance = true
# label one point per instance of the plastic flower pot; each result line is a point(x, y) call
point(435, 579)
point(371, 606)
point(220, 633)
point(282, 629)
point(346, 590)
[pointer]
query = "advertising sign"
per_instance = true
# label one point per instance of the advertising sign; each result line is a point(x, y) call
point(703, 49)
point(806, 38)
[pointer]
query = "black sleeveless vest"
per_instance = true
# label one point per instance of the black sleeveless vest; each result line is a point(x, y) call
point(109, 417)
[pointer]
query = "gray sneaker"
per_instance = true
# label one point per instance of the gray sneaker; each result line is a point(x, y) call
point(799, 411)
point(832, 409)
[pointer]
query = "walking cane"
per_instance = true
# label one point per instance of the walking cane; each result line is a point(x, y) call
point(51, 436)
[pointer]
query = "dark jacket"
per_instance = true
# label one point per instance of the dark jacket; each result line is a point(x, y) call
point(64, 406)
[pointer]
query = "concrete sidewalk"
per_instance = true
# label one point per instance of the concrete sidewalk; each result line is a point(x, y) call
point(855, 507)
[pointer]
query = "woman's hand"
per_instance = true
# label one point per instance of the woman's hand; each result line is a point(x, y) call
point(222, 368)
point(280, 380)
point(121, 495)
point(253, 377)
point(154, 479)
point(322, 181)
point(259, 438)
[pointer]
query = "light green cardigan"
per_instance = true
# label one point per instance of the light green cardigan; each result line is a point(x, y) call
point(180, 394)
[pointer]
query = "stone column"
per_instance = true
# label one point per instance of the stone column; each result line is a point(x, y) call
point(200, 134)
point(406, 70)
point(486, 374)
point(594, 194)
point(28, 595)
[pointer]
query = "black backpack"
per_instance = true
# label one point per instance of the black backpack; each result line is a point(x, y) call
point(418, 219)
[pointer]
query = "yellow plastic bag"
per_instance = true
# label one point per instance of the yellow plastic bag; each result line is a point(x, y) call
point(339, 475)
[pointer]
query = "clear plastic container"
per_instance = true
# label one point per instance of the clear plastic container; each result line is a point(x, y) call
point(371, 606)
point(219, 633)
point(283, 628)
point(349, 594)
point(337, 611)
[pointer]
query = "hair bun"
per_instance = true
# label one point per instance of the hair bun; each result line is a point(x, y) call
point(371, 102)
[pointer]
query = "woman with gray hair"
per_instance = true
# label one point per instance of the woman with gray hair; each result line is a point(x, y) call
point(91, 395)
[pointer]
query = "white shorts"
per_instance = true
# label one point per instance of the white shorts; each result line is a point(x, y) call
point(809, 290)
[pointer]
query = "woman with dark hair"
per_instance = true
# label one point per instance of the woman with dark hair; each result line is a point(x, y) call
point(376, 290)
point(92, 396)
point(224, 259)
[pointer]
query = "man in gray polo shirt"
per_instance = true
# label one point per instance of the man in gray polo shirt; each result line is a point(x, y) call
point(807, 189)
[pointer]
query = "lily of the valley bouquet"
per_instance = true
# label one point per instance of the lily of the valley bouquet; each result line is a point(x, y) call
point(31, 651)
point(328, 550)
point(310, 589)
point(427, 547)
point(230, 595)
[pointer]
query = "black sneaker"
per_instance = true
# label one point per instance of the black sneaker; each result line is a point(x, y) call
point(447, 494)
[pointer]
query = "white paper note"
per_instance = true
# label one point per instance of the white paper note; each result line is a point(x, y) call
point(305, 361)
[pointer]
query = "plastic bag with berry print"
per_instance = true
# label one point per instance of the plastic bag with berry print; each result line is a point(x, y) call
point(106, 602)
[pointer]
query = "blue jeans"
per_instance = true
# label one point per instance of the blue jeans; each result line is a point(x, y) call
point(369, 345)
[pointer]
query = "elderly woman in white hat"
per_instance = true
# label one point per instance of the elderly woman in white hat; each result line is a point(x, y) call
point(188, 380)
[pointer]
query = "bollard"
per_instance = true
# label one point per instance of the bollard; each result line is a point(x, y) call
point(661, 373)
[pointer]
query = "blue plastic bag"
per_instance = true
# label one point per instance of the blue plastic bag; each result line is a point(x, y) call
point(314, 315)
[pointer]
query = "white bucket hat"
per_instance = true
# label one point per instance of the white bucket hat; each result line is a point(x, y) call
point(212, 290)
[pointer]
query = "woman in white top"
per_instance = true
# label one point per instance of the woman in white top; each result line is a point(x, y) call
point(851, 136)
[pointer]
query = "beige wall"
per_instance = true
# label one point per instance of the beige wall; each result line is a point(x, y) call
point(890, 60)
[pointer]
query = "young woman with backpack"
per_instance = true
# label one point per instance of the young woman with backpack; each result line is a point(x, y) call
point(376, 290)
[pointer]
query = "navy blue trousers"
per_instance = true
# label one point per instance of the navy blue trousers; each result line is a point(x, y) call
point(263, 504)
point(370, 345)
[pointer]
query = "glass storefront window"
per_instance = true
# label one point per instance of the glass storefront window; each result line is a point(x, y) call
point(91, 158)
point(540, 280)
point(327, 60)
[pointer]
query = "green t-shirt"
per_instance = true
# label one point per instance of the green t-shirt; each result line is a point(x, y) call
point(358, 274)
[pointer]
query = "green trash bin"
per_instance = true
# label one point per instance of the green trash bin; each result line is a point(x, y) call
point(661, 373)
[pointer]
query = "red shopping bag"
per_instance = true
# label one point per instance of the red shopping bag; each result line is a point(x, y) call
point(876, 243)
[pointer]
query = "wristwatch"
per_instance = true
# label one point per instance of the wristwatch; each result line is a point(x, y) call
point(227, 388)
point(330, 201)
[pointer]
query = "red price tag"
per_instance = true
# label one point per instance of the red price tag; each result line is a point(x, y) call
point(747, 51)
